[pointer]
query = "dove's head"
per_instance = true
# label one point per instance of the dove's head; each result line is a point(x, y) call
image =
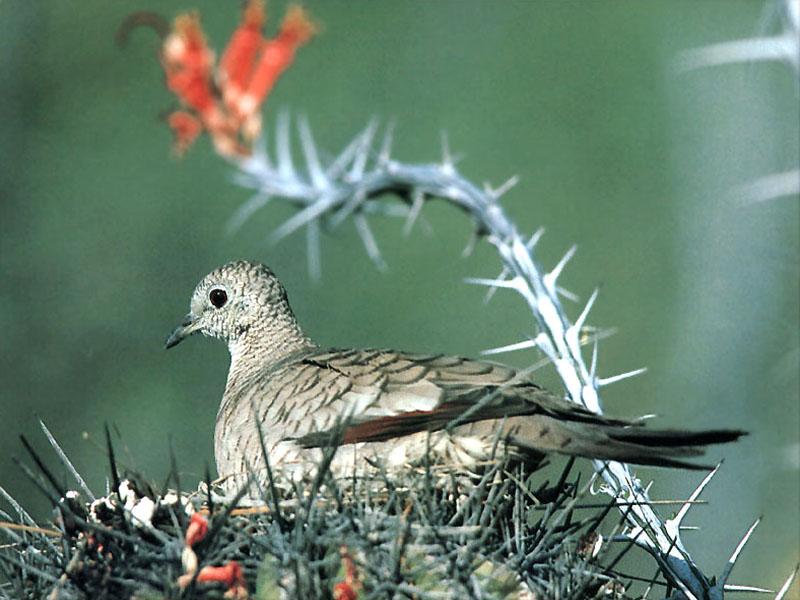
point(241, 301)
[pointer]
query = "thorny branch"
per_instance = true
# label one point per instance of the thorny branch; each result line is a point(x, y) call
point(354, 185)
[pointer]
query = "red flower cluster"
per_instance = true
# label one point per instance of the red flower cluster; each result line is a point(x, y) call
point(225, 100)
point(349, 588)
point(229, 575)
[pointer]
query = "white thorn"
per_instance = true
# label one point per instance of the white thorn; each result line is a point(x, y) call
point(689, 528)
point(647, 417)
point(416, 207)
point(736, 51)
point(370, 245)
point(730, 587)
point(571, 296)
point(510, 347)
point(581, 320)
point(471, 243)
point(510, 284)
point(735, 556)
point(318, 179)
point(502, 276)
point(245, 211)
point(787, 584)
point(678, 518)
point(339, 165)
point(386, 147)
point(362, 154)
point(283, 146)
point(551, 278)
point(614, 379)
point(594, 333)
point(352, 204)
point(294, 223)
point(448, 167)
point(537, 235)
point(312, 247)
point(769, 187)
point(507, 185)
point(593, 367)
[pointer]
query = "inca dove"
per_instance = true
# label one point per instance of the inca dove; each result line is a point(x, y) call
point(388, 406)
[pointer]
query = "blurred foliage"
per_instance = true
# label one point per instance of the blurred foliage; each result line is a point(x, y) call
point(103, 235)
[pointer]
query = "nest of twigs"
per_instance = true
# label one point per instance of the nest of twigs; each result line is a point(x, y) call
point(503, 534)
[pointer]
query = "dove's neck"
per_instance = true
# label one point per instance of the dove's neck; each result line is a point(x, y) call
point(258, 349)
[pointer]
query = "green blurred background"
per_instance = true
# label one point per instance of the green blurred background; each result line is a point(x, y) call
point(103, 235)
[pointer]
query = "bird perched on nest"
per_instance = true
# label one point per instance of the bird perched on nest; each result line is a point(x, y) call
point(384, 406)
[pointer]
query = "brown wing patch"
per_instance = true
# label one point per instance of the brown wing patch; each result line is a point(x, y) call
point(382, 428)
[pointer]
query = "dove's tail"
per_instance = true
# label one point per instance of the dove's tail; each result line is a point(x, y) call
point(656, 447)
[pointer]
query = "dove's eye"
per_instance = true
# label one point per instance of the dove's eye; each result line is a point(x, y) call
point(218, 297)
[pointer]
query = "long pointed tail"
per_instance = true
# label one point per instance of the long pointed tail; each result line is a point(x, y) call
point(656, 447)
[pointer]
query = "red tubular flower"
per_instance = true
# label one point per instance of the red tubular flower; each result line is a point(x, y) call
point(229, 575)
point(239, 58)
point(277, 54)
point(187, 63)
point(197, 529)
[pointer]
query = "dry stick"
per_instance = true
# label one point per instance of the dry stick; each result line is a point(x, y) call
point(29, 529)
point(66, 461)
point(43, 468)
point(112, 461)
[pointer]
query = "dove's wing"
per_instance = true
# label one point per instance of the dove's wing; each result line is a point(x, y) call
point(377, 395)
point(357, 396)
point(321, 398)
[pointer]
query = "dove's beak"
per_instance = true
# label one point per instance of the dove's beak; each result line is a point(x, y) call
point(187, 327)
